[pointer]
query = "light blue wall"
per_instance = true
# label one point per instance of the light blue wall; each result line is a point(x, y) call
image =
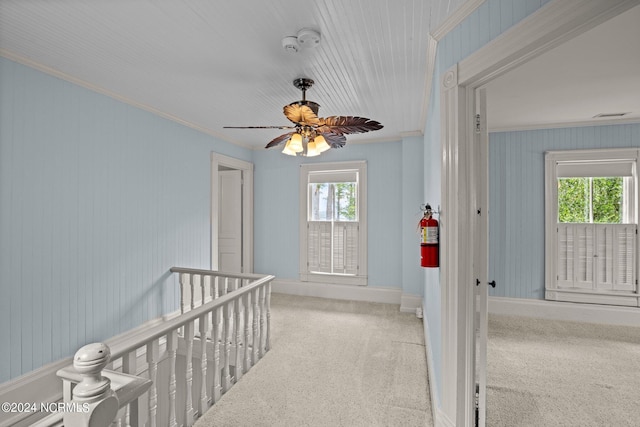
point(98, 200)
point(487, 22)
point(516, 192)
point(277, 209)
point(432, 295)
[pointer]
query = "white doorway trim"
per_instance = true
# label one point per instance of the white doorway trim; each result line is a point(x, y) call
point(218, 160)
point(550, 26)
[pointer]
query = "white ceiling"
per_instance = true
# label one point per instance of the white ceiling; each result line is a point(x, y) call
point(213, 64)
point(596, 72)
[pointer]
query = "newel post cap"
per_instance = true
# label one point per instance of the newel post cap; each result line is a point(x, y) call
point(89, 362)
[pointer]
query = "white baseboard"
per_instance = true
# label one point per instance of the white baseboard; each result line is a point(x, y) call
point(556, 310)
point(431, 373)
point(408, 302)
point(43, 385)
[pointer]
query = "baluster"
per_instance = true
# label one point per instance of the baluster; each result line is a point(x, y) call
point(188, 337)
point(238, 337)
point(217, 392)
point(172, 350)
point(267, 288)
point(216, 290)
point(247, 332)
point(263, 317)
point(204, 391)
point(129, 366)
point(202, 289)
point(153, 354)
point(182, 275)
point(226, 373)
point(256, 332)
point(192, 291)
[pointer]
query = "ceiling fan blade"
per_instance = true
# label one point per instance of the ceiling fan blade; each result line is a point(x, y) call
point(300, 114)
point(279, 140)
point(343, 125)
point(334, 140)
point(258, 127)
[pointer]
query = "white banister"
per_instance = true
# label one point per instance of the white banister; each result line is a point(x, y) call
point(217, 388)
point(267, 289)
point(204, 391)
point(227, 334)
point(188, 338)
point(247, 333)
point(238, 338)
point(238, 302)
point(256, 330)
point(172, 350)
point(153, 354)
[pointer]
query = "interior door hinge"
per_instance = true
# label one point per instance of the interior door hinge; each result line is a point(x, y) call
point(477, 123)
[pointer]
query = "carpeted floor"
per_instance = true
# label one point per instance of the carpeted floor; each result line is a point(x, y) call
point(333, 363)
point(552, 373)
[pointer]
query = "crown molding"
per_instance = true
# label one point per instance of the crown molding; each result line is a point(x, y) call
point(102, 91)
point(459, 15)
point(563, 125)
point(432, 49)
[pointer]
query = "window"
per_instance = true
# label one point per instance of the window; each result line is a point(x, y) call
point(591, 226)
point(333, 222)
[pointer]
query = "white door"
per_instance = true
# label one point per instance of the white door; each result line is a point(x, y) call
point(230, 221)
point(481, 254)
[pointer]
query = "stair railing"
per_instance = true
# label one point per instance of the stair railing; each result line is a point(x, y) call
point(226, 330)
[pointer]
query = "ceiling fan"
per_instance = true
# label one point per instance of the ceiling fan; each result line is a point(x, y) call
point(312, 135)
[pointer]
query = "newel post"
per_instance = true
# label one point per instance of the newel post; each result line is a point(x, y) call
point(94, 403)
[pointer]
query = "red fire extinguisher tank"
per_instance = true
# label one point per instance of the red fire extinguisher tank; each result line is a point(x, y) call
point(429, 246)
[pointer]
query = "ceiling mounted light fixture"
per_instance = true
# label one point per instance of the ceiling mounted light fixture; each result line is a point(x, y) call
point(313, 135)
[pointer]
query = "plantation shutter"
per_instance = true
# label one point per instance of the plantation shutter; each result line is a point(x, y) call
point(565, 255)
point(624, 255)
point(600, 257)
point(345, 247)
point(584, 257)
point(319, 246)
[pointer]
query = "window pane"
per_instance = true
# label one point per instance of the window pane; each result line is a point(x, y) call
point(573, 200)
point(607, 200)
point(320, 204)
point(333, 201)
point(345, 199)
point(586, 200)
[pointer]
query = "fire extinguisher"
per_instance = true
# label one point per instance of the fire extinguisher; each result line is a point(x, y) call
point(429, 246)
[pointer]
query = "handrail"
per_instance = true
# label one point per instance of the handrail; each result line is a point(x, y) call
point(231, 333)
point(216, 273)
point(164, 328)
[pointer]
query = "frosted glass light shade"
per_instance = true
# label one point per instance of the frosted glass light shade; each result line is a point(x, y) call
point(287, 149)
point(295, 143)
point(312, 151)
point(321, 144)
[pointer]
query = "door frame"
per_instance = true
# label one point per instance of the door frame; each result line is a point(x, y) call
point(218, 160)
point(550, 26)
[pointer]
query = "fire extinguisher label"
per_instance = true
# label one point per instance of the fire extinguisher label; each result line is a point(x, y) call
point(431, 235)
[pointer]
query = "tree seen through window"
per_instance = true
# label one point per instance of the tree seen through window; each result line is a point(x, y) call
point(590, 200)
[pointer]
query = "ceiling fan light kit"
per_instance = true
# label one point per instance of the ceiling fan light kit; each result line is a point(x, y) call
point(313, 135)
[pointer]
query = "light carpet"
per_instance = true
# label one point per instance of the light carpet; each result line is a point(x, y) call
point(333, 363)
point(552, 373)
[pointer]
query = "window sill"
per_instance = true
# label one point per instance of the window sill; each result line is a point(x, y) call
point(334, 279)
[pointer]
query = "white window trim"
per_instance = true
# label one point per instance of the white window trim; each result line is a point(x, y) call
point(552, 158)
point(306, 276)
